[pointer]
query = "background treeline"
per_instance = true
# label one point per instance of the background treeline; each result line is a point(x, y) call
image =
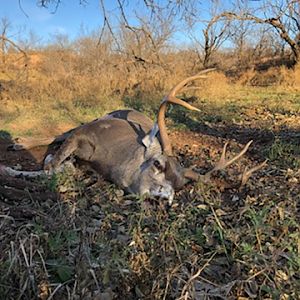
point(251, 43)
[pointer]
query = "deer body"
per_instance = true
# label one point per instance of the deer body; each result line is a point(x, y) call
point(118, 147)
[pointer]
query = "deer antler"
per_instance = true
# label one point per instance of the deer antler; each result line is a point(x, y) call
point(247, 173)
point(166, 144)
point(222, 164)
point(171, 98)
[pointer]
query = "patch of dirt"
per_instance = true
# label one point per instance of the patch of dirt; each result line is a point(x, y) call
point(29, 160)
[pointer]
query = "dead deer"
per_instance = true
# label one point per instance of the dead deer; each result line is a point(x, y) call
point(126, 148)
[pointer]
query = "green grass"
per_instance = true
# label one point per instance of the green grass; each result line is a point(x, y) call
point(244, 104)
point(285, 154)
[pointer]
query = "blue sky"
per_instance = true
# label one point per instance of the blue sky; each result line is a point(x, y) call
point(68, 19)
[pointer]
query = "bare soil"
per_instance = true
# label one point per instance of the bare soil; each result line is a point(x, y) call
point(29, 160)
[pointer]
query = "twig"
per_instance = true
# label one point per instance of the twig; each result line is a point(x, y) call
point(216, 217)
point(58, 287)
point(256, 274)
point(197, 274)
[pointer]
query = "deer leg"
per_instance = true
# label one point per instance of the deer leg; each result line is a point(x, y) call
point(66, 149)
point(29, 143)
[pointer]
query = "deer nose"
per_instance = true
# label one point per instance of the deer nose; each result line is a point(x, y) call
point(170, 199)
point(165, 192)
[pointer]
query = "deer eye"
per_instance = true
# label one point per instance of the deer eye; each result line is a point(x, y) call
point(158, 166)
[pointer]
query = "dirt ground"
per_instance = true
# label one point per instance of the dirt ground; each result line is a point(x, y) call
point(28, 160)
point(258, 221)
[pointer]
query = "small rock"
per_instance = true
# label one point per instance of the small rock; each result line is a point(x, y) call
point(235, 198)
point(293, 180)
point(95, 208)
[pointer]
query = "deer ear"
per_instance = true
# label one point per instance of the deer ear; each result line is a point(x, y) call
point(149, 138)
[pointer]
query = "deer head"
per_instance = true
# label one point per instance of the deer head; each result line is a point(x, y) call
point(173, 171)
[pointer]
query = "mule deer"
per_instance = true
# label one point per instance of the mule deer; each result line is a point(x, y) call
point(125, 147)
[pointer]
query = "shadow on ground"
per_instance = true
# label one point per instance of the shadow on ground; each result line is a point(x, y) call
point(263, 139)
point(16, 191)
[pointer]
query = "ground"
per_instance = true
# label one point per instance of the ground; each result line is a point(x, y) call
point(77, 237)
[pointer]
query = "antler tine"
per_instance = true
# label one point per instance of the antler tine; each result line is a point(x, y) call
point(171, 97)
point(220, 165)
point(166, 143)
point(182, 83)
point(175, 100)
point(247, 173)
point(223, 163)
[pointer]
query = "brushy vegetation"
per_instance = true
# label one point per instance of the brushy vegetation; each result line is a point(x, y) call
point(76, 88)
point(84, 239)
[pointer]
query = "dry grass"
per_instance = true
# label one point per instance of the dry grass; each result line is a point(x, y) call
point(215, 87)
point(81, 97)
point(281, 78)
point(92, 242)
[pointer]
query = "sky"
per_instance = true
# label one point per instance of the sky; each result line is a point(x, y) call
point(69, 18)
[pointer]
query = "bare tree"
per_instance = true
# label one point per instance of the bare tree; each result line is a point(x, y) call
point(7, 42)
point(240, 35)
point(52, 4)
point(282, 15)
point(214, 34)
point(146, 42)
point(5, 26)
point(184, 8)
point(31, 41)
point(156, 9)
point(251, 46)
